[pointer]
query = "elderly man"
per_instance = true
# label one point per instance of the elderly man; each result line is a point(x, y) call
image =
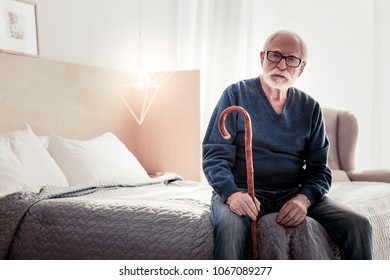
point(290, 150)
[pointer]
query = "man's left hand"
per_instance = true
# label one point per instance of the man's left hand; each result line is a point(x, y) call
point(294, 211)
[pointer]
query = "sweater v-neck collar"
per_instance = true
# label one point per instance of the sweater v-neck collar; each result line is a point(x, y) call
point(269, 105)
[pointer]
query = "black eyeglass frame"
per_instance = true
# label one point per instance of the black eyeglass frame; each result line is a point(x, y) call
point(285, 58)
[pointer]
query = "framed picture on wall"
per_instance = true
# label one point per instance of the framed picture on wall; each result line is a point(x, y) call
point(18, 28)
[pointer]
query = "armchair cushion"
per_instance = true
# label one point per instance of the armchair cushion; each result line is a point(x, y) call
point(378, 175)
point(340, 176)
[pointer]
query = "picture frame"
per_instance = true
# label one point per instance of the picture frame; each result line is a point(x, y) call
point(18, 28)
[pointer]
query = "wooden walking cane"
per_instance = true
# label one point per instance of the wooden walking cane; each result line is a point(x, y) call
point(249, 161)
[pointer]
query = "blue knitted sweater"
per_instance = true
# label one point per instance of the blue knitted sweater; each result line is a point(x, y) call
point(289, 149)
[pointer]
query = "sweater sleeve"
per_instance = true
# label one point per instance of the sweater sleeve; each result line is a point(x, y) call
point(218, 153)
point(317, 175)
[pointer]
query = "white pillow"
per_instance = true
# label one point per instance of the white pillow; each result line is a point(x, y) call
point(102, 158)
point(25, 164)
point(44, 141)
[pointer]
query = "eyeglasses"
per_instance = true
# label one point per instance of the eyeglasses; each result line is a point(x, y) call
point(276, 57)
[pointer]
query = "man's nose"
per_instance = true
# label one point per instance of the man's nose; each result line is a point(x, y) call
point(282, 64)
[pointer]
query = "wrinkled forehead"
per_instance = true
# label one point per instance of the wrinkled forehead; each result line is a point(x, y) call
point(285, 43)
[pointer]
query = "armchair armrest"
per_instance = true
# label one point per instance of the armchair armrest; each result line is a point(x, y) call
point(375, 175)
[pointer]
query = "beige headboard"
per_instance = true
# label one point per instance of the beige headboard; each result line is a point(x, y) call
point(81, 102)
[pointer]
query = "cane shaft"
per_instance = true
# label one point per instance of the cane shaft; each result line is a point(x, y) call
point(249, 161)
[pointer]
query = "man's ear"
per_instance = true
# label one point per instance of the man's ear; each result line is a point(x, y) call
point(262, 56)
point(302, 67)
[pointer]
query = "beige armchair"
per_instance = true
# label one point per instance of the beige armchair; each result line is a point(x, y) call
point(342, 130)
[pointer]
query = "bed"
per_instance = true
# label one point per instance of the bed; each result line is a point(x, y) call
point(92, 199)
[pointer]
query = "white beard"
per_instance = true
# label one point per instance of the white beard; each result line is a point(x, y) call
point(281, 83)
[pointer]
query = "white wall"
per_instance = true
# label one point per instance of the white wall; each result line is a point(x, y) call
point(105, 33)
point(344, 68)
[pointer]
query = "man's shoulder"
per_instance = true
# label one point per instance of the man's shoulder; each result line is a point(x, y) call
point(302, 96)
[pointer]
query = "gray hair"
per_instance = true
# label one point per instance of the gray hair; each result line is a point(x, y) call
point(293, 34)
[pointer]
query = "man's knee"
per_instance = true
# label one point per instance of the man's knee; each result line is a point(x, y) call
point(230, 222)
point(363, 223)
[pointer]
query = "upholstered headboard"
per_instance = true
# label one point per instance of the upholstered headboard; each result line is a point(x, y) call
point(81, 102)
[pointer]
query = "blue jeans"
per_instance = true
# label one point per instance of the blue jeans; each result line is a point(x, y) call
point(348, 229)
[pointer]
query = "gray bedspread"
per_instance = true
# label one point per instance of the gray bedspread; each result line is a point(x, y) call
point(152, 221)
point(162, 219)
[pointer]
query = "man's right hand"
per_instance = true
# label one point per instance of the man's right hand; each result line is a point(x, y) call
point(242, 205)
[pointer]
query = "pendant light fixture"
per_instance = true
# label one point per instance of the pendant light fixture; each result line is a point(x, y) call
point(138, 88)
